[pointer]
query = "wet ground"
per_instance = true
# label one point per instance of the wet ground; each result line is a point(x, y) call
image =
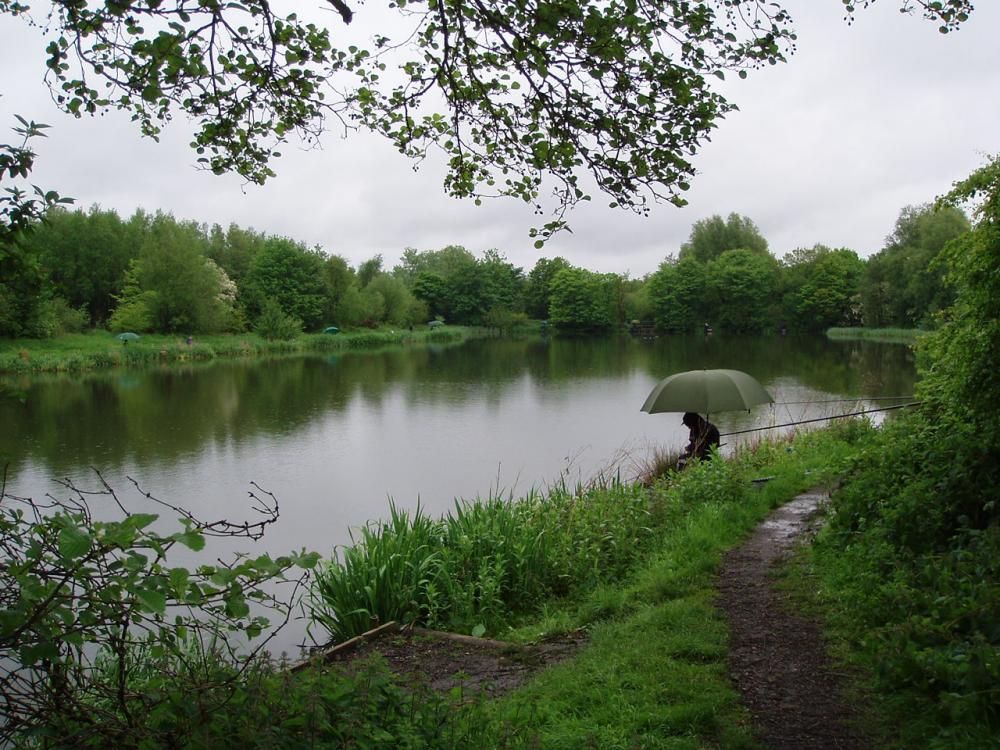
point(437, 662)
point(778, 660)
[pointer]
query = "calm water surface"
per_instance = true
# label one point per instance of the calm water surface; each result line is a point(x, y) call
point(334, 437)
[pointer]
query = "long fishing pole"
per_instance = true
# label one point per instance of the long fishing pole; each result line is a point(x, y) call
point(844, 400)
point(821, 419)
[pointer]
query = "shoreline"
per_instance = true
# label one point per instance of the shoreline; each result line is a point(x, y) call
point(102, 351)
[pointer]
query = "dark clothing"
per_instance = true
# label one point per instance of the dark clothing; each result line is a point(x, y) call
point(703, 437)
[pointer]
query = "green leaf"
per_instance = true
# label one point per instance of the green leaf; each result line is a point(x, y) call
point(152, 601)
point(73, 542)
point(179, 580)
point(236, 606)
point(191, 540)
point(140, 520)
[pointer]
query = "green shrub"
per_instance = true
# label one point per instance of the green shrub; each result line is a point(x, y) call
point(273, 324)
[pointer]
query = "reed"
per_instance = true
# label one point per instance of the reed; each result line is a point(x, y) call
point(483, 564)
point(889, 335)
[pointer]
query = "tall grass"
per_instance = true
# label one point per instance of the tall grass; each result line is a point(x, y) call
point(484, 563)
point(889, 335)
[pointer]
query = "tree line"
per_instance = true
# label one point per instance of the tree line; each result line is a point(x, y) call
point(152, 272)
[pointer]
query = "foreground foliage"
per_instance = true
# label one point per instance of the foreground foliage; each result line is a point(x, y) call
point(104, 636)
point(511, 93)
point(106, 642)
point(910, 564)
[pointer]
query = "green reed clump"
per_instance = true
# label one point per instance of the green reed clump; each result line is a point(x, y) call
point(891, 335)
point(484, 563)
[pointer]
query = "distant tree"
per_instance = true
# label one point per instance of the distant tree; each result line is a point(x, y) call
point(468, 296)
point(234, 249)
point(740, 287)
point(368, 270)
point(361, 307)
point(274, 324)
point(400, 307)
point(86, 255)
point(432, 289)
point(443, 262)
point(339, 277)
point(581, 300)
point(538, 290)
point(24, 292)
point(677, 293)
point(172, 285)
point(821, 288)
point(24, 289)
point(638, 305)
point(905, 285)
point(504, 319)
point(504, 282)
point(290, 274)
point(711, 237)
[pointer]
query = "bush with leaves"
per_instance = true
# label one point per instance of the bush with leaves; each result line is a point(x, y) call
point(912, 555)
point(106, 641)
point(273, 324)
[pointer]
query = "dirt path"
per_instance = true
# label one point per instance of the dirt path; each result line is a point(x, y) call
point(778, 661)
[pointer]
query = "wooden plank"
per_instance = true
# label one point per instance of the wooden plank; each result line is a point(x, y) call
point(471, 640)
point(340, 648)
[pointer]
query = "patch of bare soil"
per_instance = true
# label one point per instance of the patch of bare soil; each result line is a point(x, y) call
point(778, 661)
point(438, 662)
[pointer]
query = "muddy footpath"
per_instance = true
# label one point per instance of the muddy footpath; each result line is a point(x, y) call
point(778, 659)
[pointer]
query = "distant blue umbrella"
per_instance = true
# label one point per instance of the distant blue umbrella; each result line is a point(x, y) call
point(331, 329)
point(128, 336)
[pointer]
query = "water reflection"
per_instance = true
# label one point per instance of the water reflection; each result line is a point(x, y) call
point(335, 436)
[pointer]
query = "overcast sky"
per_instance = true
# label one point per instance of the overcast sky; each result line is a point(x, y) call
point(827, 148)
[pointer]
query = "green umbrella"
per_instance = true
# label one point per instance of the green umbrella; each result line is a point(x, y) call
point(331, 329)
point(435, 323)
point(128, 336)
point(706, 392)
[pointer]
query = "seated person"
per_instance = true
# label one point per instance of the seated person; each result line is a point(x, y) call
point(703, 437)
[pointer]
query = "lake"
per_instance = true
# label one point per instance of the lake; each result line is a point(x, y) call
point(335, 437)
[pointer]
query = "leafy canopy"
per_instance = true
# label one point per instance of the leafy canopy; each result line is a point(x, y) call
point(512, 91)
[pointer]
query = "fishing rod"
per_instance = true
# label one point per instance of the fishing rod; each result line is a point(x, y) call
point(844, 400)
point(822, 419)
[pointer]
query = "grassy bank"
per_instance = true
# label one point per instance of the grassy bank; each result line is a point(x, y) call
point(633, 565)
point(101, 350)
point(889, 335)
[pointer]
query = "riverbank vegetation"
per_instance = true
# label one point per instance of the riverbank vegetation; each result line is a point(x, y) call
point(99, 349)
point(889, 335)
point(632, 564)
point(908, 569)
point(152, 273)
